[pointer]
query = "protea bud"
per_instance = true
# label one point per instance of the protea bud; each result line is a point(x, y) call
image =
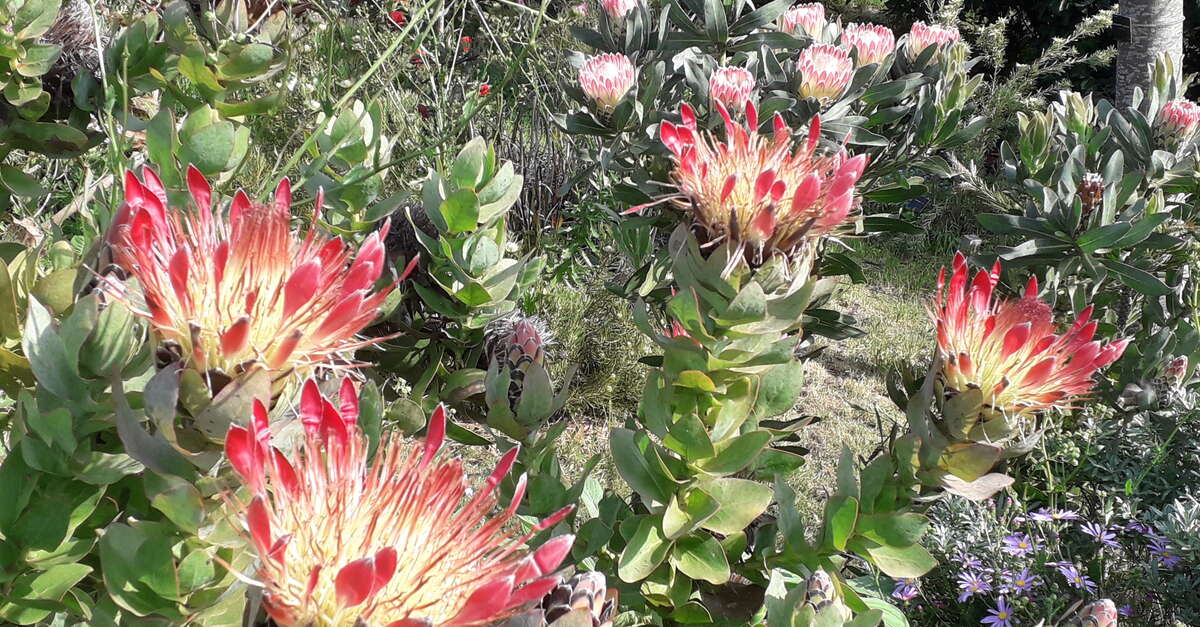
point(1091, 196)
point(518, 341)
point(1175, 369)
point(618, 9)
point(231, 291)
point(756, 191)
point(584, 599)
point(397, 540)
point(731, 86)
point(872, 42)
point(1177, 121)
point(825, 71)
point(819, 590)
point(804, 19)
point(1008, 348)
point(924, 35)
point(606, 78)
point(1102, 613)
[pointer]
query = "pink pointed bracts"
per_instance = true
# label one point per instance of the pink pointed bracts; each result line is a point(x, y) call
point(731, 86)
point(398, 541)
point(872, 43)
point(1010, 348)
point(757, 190)
point(240, 288)
point(825, 71)
point(606, 78)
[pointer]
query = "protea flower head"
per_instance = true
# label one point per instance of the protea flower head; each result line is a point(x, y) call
point(924, 35)
point(757, 191)
point(519, 341)
point(873, 42)
point(804, 19)
point(731, 86)
point(1009, 348)
point(606, 78)
point(584, 596)
point(825, 71)
point(397, 540)
point(618, 9)
point(1178, 120)
point(1102, 613)
point(235, 290)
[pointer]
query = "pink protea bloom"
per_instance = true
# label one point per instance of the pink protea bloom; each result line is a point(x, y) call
point(924, 35)
point(1178, 119)
point(618, 9)
point(825, 71)
point(238, 289)
point(757, 191)
point(606, 78)
point(398, 540)
point(1010, 348)
point(804, 19)
point(873, 42)
point(731, 86)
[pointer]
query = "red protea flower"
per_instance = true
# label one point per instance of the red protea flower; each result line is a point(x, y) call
point(825, 71)
point(618, 9)
point(804, 19)
point(606, 78)
point(731, 86)
point(397, 540)
point(1009, 348)
point(240, 289)
point(924, 35)
point(754, 189)
point(1178, 120)
point(873, 42)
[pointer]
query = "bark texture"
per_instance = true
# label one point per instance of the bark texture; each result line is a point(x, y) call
point(1157, 26)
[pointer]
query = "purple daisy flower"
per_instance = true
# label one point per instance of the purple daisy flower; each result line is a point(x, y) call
point(906, 589)
point(1001, 616)
point(1047, 515)
point(1125, 610)
point(1099, 534)
point(1160, 548)
point(1019, 544)
point(1020, 582)
point(967, 561)
point(972, 584)
point(1077, 579)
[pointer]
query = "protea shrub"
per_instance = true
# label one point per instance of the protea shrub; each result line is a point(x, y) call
point(396, 540)
point(1010, 349)
point(825, 71)
point(758, 192)
point(606, 78)
point(1178, 121)
point(804, 19)
point(231, 291)
point(731, 86)
point(872, 43)
point(923, 35)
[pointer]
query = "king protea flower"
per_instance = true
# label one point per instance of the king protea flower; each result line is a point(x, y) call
point(804, 19)
point(873, 42)
point(606, 78)
point(397, 540)
point(924, 35)
point(618, 9)
point(756, 190)
point(240, 289)
point(825, 71)
point(1178, 120)
point(731, 86)
point(1009, 348)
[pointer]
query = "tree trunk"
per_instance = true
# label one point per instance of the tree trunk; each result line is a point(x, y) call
point(1156, 26)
